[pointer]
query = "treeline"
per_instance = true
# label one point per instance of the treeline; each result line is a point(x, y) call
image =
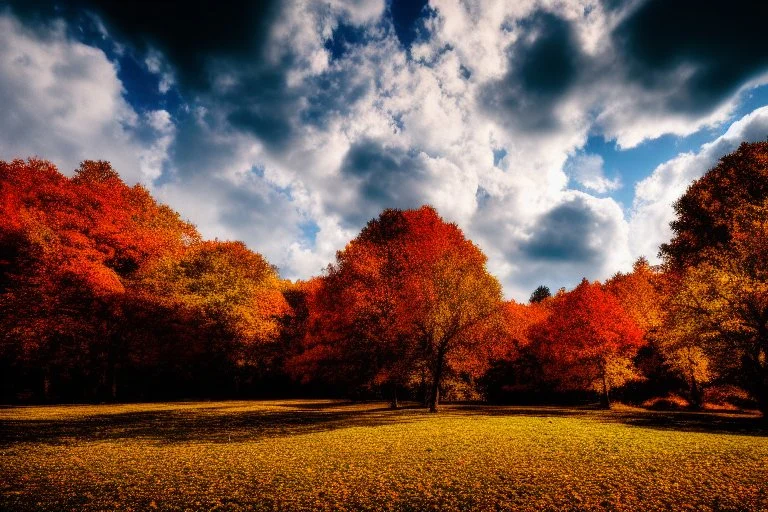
point(107, 295)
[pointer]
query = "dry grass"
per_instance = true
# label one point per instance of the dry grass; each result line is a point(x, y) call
point(323, 455)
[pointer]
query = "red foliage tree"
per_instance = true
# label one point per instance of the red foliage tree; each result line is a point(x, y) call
point(406, 303)
point(588, 340)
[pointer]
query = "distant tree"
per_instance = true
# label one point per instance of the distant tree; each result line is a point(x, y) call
point(587, 341)
point(642, 293)
point(540, 294)
point(513, 367)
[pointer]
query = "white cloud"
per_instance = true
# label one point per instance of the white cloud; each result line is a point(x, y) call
point(62, 101)
point(326, 143)
point(156, 64)
point(654, 196)
point(587, 170)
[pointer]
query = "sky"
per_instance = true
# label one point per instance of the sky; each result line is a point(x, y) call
point(556, 134)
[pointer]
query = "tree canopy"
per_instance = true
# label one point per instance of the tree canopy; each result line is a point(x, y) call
point(106, 293)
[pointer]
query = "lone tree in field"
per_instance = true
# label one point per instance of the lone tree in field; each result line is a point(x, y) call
point(719, 253)
point(587, 341)
point(409, 300)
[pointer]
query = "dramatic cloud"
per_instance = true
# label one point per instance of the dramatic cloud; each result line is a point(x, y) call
point(62, 101)
point(701, 52)
point(543, 65)
point(652, 210)
point(290, 124)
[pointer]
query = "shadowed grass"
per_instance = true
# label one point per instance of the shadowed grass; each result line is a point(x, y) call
point(327, 455)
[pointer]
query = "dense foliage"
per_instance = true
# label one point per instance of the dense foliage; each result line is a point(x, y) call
point(409, 304)
point(106, 294)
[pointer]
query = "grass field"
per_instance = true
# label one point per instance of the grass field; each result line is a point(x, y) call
point(325, 455)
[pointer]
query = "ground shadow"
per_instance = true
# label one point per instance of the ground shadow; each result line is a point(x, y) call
point(215, 424)
point(236, 422)
point(691, 421)
point(686, 421)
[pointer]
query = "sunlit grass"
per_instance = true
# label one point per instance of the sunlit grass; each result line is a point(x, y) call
point(321, 455)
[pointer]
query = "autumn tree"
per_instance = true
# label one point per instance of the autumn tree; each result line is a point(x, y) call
point(704, 215)
point(720, 310)
point(232, 294)
point(96, 277)
point(407, 302)
point(588, 340)
point(644, 294)
point(514, 369)
point(719, 254)
point(58, 281)
point(73, 248)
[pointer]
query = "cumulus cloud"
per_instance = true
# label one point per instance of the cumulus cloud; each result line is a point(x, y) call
point(62, 101)
point(587, 170)
point(301, 120)
point(577, 235)
point(654, 196)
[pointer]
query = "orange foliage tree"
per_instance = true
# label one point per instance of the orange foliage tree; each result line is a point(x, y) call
point(719, 256)
point(514, 370)
point(408, 302)
point(96, 276)
point(587, 341)
point(72, 248)
point(232, 294)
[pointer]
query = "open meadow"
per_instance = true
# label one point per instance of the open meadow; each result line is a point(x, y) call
point(328, 455)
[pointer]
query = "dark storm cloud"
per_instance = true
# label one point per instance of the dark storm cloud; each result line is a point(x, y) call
point(204, 43)
point(189, 34)
point(384, 178)
point(721, 45)
point(544, 64)
point(260, 102)
point(564, 234)
point(219, 53)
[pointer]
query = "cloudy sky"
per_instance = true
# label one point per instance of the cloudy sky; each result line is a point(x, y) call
point(557, 134)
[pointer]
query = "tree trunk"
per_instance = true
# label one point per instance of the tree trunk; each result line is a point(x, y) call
point(434, 397)
point(696, 394)
point(605, 401)
point(762, 395)
point(46, 384)
point(393, 402)
point(109, 380)
point(115, 371)
point(423, 389)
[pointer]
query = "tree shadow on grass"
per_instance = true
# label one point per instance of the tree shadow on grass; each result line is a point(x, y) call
point(243, 421)
point(684, 421)
point(208, 424)
point(690, 421)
